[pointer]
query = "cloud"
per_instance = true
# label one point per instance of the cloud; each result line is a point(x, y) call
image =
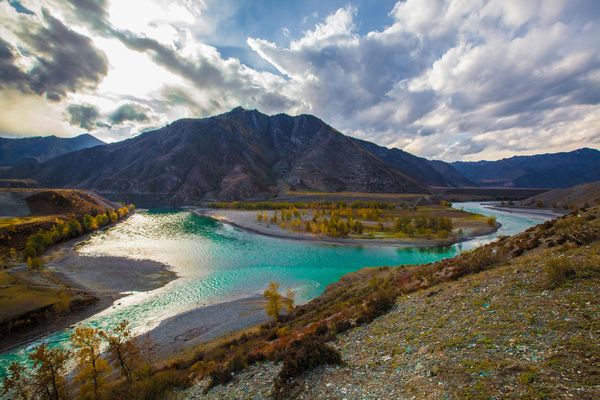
point(129, 112)
point(83, 115)
point(61, 60)
point(440, 78)
point(453, 79)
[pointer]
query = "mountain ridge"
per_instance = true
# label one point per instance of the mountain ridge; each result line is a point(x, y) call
point(549, 170)
point(42, 148)
point(236, 155)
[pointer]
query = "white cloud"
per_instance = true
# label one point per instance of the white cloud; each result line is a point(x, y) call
point(447, 78)
point(454, 79)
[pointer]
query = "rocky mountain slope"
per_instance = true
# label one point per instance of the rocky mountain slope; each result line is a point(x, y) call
point(40, 149)
point(558, 170)
point(237, 155)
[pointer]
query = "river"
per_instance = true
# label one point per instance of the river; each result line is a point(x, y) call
point(216, 262)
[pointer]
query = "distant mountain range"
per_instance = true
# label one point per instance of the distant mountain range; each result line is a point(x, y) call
point(558, 170)
point(245, 154)
point(42, 148)
point(238, 155)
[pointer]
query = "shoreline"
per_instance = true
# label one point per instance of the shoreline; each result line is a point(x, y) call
point(203, 324)
point(227, 216)
point(100, 278)
point(544, 212)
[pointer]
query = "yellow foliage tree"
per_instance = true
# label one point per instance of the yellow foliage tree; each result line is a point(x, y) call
point(92, 367)
point(16, 384)
point(122, 348)
point(48, 379)
point(276, 302)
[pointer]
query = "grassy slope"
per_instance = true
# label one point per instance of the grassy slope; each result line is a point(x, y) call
point(483, 324)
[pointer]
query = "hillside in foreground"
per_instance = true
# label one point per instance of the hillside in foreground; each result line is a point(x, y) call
point(517, 318)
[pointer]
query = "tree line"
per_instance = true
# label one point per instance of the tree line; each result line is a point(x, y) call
point(108, 364)
point(321, 205)
point(37, 243)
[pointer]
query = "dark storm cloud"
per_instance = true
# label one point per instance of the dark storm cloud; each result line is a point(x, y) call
point(64, 60)
point(129, 112)
point(83, 115)
point(10, 75)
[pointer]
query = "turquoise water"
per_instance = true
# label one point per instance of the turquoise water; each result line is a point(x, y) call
point(216, 263)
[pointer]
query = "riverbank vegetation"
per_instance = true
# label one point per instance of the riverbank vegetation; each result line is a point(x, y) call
point(367, 220)
point(108, 365)
point(31, 295)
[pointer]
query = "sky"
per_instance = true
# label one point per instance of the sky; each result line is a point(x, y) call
point(443, 79)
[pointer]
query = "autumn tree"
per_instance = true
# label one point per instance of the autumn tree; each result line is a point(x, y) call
point(276, 302)
point(93, 368)
point(288, 300)
point(49, 369)
point(123, 349)
point(17, 383)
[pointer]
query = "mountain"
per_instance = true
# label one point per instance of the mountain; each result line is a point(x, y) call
point(558, 170)
point(432, 173)
point(584, 195)
point(237, 155)
point(43, 148)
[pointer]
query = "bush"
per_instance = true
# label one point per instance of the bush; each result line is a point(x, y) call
point(302, 356)
point(557, 271)
point(156, 386)
point(378, 304)
point(342, 326)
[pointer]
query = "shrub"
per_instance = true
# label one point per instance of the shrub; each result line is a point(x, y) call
point(159, 384)
point(342, 326)
point(302, 356)
point(378, 304)
point(557, 271)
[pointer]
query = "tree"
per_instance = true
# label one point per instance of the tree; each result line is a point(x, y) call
point(92, 367)
point(14, 256)
point(273, 297)
point(89, 223)
point(276, 302)
point(122, 348)
point(288, 300)
point(35, 262)
point(16, 384)
point(48, 379)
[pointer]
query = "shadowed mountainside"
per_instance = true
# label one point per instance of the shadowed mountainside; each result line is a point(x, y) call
point(40, 149)
point(237, 155)
point(558, 170)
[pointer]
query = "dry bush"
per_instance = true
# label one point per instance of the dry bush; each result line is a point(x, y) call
point(302, 356)
point(557, 271)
